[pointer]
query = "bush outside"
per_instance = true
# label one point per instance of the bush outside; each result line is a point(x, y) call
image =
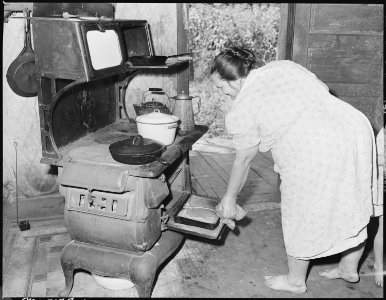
point(215, 26)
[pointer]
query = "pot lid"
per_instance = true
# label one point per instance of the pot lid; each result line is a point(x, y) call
point(136, 145)
point(157, 117)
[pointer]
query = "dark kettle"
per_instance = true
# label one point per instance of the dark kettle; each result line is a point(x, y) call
point(150, 106)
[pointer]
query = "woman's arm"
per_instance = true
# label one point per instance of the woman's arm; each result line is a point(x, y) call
point(239, 174)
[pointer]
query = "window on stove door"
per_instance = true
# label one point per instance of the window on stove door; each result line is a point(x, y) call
point(104, 48)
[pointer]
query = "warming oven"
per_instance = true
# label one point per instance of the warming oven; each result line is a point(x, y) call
point(124, 220)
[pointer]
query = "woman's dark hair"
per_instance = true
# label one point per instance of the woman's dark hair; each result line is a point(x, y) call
point(233, 63)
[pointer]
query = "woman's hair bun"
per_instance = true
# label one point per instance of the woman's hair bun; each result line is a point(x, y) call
point(233, 63)
point(244, 54)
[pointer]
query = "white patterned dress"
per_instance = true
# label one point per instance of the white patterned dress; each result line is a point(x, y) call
point(323, 149)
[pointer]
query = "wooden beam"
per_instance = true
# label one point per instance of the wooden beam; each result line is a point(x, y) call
point(286, 31)
point(182, 46)
point(301, 33)
point(10, 8)
point(17, 6)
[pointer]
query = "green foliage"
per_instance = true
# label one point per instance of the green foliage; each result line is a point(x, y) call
point(215, 26)
point(213, 108)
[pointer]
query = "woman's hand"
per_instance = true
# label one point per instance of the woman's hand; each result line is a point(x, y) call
point(227, 208)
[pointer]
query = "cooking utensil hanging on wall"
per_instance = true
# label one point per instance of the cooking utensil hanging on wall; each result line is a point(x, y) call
point(154, 60)
point(21, 73)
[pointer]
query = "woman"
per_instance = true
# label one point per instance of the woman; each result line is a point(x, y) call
point(323, 150)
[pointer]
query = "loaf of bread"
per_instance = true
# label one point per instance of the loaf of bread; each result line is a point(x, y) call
point(196, 201)
point(199, 214)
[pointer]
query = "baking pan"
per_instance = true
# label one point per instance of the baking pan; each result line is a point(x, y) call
point(196, 223)
point(199, 204)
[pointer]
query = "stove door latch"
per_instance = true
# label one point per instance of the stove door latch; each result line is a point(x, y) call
point(164, 218)
point(94, 202)
point(90, 198)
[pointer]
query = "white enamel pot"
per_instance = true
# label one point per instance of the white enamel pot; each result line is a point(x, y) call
point(158, 126)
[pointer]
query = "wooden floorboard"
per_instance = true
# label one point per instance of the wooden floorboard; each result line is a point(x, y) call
point(210, 174)
point(222, 163)
point(217, 183)
point(203, 175)
point(196, 186)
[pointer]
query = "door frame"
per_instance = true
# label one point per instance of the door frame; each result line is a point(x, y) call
point(286, 31)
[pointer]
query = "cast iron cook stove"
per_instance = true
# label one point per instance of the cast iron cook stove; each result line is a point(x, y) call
point(121, 218)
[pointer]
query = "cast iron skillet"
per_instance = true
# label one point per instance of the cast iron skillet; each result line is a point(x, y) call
point(154, 60)
point(137, 150)
point(21, 72)
point(148, 60)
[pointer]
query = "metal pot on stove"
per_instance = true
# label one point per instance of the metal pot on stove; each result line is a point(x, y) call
point(158, 126)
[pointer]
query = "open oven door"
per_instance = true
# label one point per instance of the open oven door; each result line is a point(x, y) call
point(196, 215)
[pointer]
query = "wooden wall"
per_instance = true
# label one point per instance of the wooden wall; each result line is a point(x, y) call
point(343, 45)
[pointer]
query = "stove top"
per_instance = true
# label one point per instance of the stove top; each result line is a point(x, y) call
point(94, 149)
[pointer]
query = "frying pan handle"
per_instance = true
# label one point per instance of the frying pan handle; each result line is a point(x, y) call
point(165, 163)
point(27, 20)
point(27, 28)
point(189, 54)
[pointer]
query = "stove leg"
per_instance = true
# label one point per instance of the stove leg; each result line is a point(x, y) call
point(142, 273)
point(142, 269)
point(68, 265)
point(68, 275)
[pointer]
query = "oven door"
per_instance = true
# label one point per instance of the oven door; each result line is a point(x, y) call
point(185, 211)
point(195, 214)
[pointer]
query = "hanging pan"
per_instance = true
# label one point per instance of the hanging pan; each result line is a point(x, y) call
point(153, 60)
point(21, 73)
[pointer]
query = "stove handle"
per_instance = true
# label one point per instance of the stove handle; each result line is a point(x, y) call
point(164, 218)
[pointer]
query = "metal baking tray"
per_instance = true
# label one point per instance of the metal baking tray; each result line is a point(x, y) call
point(202, 203)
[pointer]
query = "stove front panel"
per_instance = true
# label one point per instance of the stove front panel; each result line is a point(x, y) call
point(117, 220)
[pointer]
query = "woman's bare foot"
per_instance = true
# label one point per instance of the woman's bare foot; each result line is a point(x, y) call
point(281, 283)
point(337, 273)
point(378, 275)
